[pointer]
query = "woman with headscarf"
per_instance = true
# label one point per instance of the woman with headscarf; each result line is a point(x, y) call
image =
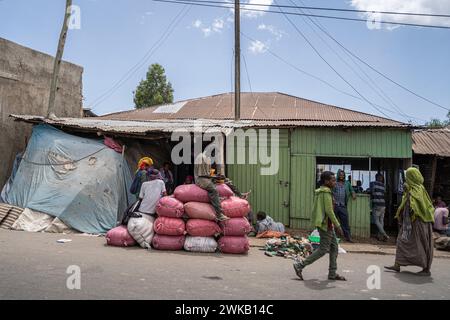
point(141, 175)
point(416, 217)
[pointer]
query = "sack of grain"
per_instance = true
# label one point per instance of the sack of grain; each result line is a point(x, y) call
point(200, 244)
point(202, 228)
point(200, 210)
point(170, 207)
point(170, 226)
point(191, 192)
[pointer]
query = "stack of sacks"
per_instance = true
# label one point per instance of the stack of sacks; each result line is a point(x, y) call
point(169, 227)
point(201, 225)
point(235, 229)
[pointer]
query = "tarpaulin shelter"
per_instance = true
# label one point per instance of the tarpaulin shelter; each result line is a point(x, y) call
point(79, 180)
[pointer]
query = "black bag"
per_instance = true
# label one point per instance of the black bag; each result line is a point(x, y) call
point(132, 212)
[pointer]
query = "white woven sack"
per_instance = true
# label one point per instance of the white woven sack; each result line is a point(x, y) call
point(200, 244)
point(141, 229)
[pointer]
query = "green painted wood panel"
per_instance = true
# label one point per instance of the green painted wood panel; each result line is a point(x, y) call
point(359, 216)
point(354, 142)
point(303, 177)
point(269, 192)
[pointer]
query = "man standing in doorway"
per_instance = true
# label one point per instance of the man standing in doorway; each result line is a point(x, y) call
point(377, 190)
point(342, 193)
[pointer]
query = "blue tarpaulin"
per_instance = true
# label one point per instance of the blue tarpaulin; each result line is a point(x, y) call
point(79, 180)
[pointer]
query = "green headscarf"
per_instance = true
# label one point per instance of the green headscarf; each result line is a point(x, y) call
point(421, 204)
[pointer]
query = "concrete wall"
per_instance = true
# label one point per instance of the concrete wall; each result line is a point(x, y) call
point(25, 77)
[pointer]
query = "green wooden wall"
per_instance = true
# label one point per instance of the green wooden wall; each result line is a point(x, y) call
point(288, 195)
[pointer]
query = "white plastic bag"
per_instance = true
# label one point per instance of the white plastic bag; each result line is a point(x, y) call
point(200, 244)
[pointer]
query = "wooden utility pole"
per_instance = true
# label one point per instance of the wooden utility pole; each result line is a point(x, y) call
point(57, 64)
point(237, 61)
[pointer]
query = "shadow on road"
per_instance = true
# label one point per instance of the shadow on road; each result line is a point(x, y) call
point(316, 284)
point(412, 278)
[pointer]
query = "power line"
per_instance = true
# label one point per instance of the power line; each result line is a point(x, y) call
point(296, 68)
point(373, 85)
point(244, 5)
point(379, 72)
point(331, 67)
point(248, 76)
point(225, 6)
point(165, 35)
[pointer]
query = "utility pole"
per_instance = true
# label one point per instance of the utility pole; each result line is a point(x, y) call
point(57, 64)
point(237, 61)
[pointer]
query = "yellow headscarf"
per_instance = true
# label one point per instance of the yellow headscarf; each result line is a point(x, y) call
point(146, 160)
point(421, 204)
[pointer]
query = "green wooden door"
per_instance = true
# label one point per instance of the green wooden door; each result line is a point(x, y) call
point(303, 182)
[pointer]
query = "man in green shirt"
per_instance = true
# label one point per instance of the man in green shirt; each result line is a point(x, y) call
point(326, 223)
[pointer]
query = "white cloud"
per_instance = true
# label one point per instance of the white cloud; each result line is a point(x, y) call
point(260, 5)
point(197, 23)
point(257, 47)
point(218, 25)
point(272, 29)
point(206, 31)
point(414, 6)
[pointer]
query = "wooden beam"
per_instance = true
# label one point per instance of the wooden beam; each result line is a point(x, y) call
point(433, 175)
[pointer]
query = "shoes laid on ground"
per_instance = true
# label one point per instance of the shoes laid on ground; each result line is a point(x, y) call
point(337, 278)
point(393, 268)
point(298, 269)
point(222, 217)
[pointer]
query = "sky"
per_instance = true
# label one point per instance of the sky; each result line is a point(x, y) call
point(116, 41)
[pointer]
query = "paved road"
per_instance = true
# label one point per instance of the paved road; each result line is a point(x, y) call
point(34, 265)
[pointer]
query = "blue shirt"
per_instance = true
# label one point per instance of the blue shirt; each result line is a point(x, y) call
point(339, 194)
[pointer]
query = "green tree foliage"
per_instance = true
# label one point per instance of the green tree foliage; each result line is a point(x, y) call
point(153, 90)
point(437, 123)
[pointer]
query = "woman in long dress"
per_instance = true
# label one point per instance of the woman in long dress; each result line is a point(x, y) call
point(416, 217)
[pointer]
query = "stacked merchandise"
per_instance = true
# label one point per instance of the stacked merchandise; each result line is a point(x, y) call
point(188, 220)
point(169, 227)
point(235, 229)
point(201, 225)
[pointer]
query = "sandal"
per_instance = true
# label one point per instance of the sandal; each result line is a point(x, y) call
point(393, 268)
point(337, 278)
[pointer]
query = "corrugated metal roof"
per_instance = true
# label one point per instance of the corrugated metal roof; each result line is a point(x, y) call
point(268, 106)
point(432, 142)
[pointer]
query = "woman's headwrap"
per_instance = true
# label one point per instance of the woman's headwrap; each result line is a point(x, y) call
point(421, 204)
point(145, 161)
point(154, 174)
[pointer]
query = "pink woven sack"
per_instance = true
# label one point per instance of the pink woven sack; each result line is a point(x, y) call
point(235, 207)
point(119, 237)
point(202, 228)
point(170, 226)
point(162, 242)
point(200, 210)
point(235, 227)
point(191, 192)
point(234, 245)
point(170, 207)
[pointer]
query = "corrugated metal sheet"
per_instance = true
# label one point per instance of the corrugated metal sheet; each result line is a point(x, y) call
point(303, 182)
point(267, 106)
point(432, 142)
point(352, 142)
point(269, 192)
point(359, 216)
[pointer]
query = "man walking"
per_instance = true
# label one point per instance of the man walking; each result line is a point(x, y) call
point(325, 221)
point(342, 193)
point(377, 190)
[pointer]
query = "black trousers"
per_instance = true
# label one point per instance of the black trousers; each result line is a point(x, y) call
point(342, 215)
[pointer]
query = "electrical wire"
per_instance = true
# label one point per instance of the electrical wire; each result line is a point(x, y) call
point(226, 6)
point(165, 35)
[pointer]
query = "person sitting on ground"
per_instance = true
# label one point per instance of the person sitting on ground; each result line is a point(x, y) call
point(151, 192)
point(441, 221)
point(203, 179)
point(438, 203)
point(189, 180)
point(266, 223)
